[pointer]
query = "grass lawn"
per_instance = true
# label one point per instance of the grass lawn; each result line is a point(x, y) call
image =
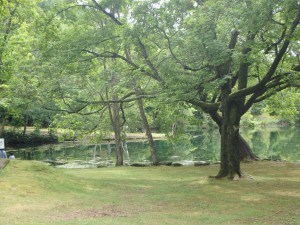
point(32, 193)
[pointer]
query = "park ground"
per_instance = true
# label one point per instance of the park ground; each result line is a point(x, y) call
point(34, 193)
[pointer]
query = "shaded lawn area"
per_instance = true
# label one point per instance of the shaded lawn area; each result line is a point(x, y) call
point(33, 193)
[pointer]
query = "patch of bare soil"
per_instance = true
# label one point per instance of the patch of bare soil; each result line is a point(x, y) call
point(107, 211)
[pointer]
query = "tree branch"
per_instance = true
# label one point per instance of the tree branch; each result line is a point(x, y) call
point(99, 7)
point(273, 92)
point(268, 76)
point(66, 9)
point(117, 101)
point(186, 67)
point(155, 75)
point(123, 114)
point(277, 84)
point(205, 106)
point(113, 55)
point(277, 42)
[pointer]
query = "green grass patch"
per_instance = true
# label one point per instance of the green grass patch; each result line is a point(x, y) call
point(33, 193)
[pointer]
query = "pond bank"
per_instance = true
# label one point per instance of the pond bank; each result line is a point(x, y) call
point(137, 136)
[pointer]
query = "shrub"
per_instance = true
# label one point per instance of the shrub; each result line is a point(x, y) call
point(13, 138)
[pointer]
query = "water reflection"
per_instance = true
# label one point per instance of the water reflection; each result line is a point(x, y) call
point(272, 143)
point(275, 143)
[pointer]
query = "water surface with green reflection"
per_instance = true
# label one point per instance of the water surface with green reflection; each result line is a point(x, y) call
point(274, 143)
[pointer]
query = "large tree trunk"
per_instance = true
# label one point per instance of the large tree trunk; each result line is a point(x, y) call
point(245, 151)
point(230, 141)
point(147, 128)
point(115, 120)
point(233, 147)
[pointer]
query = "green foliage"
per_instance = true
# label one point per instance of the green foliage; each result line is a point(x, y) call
point(284, 104)
point(248, 120)
point(258, 109)
point(13, 138)
point(18, 93)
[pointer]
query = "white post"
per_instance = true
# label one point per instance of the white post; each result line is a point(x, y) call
point(2, 145)
point(2, 149)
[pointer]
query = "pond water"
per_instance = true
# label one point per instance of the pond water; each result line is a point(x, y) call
point(274, 143)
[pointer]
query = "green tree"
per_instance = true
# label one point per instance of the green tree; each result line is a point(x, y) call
point(86, 77)
point(221, 60)
point(17, 18)
point(285, 105)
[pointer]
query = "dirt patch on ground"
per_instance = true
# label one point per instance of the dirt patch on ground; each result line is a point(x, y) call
point(95, 213)
point(107, 211)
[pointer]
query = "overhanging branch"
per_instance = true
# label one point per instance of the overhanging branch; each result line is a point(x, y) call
point(277, 84)
point(118, 101)
point(205, 106)
point(108, 54)
point(66, 9)
point(110, 15)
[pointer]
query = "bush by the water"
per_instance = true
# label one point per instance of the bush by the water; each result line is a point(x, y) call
point(13, 138)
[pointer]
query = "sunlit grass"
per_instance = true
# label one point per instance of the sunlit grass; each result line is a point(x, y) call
point(32, 193)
